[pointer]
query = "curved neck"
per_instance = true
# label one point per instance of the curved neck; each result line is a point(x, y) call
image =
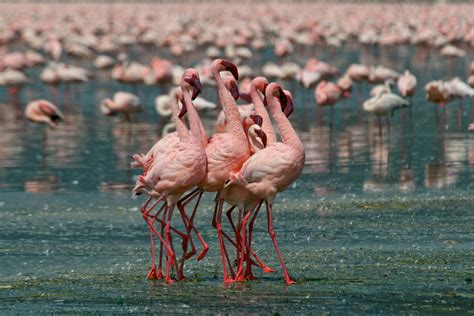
point(181, 128)
point(267, 126)
point(193, 117)
point(228, 106)
point(287, 132)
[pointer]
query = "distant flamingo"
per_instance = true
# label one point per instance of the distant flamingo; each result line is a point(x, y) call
point(328, 94)
point(122, 102)
point(43, 112)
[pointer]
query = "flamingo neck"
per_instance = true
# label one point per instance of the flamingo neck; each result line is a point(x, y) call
point(267, 126)
point(287, 132)
point(228, 106)
point(181, 128)
point(193, 117)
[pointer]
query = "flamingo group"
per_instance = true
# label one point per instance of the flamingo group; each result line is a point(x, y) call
point(234, 164)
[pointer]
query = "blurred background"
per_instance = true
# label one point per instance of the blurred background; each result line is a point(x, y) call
point(380, 221)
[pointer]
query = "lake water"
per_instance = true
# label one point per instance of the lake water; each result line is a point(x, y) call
point(374, 224)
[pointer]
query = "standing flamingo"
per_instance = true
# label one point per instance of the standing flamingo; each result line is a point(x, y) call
point(122, 102)
point(43, 112)
point(179, 170)
point(226, 152)
point(407, 87)
point(274, 168)
point(328, 94)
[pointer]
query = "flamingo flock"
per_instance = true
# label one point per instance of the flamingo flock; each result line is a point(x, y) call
point(254, 152)
point(244, 166)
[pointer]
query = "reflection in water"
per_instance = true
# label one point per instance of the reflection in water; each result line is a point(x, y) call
point(93, 152)
point(41, 185)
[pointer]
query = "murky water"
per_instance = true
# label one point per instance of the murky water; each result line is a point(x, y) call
point(375, 225)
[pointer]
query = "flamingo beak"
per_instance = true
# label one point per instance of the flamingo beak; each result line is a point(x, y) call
point(231, 68)
point(183, 109)
point(289, 108)
point(283, 100)
point(257, 119)
point(262, 136)
point(196, 84)
point(234, 90)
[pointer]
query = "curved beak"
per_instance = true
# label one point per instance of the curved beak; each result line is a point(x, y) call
point(257, 119)
point(289, 107)
point(234, 90)
point(232, 68)
point(283, 100)
point(262, 136)
point(184, 109)
point(196, 84)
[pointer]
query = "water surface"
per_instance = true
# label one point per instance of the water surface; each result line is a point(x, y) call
point(374, 224)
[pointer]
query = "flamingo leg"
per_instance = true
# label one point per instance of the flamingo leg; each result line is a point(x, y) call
point(265, 268)
point(170, 261)
point(243, 231)
point(224, 254)
point(169, 250)
point(189, 221)
point(259, 262)
point(272, 234)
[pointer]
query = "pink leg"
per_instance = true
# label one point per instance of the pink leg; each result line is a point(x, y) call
point(238, 246)
point(272, 234)
point(242, 229)
point(224, 255)
point(169, 260)
point(266, 269)
point(189, 222)
point(152, 272)
point(165, 244)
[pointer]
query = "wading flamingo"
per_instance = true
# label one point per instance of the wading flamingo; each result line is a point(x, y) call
point(179, 170)
point(274, 168)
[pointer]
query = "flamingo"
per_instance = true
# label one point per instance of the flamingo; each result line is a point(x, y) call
point(274, 168)
point(43, 112)
point(407, 86)
point(122, 102)
point(328, 94)
point(177, 171)
point(226, 152)
point(383, 105)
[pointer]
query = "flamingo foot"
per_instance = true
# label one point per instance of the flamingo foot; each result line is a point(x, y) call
point(290, 281)
point(152, 274)
point(159, 275)
point(228, 280)
point(169, 280)
point(268, 269)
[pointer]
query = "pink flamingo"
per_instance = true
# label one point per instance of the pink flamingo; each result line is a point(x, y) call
point(328, 94)
point(43, 112)
point(122, 102)
point(407, 87)
point(274, 168)
point(226, 152)
point(179, 170)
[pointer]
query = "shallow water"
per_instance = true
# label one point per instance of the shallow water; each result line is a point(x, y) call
point(374, 225)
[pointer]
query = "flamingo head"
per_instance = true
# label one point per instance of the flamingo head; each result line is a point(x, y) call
point(257, 128)
point(261, 84)
point(289, 106)
point(190, 80)
point(256, 134)
point(231, 85)
point(275, 90)
point(105, 106)
point(257, 119)
point(224, 65)
point(471, 127)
